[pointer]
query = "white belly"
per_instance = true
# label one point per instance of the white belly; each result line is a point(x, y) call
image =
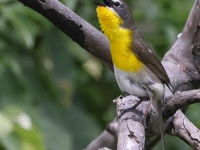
point(139, 84)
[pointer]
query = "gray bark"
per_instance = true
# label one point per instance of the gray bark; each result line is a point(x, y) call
point(181, 63)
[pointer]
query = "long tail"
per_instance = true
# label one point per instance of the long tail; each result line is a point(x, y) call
point(160, 116)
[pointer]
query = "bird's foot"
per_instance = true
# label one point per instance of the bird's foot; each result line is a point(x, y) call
point(123, 111)
point(133, 108)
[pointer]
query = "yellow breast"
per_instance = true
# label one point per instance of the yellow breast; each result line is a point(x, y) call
point(120, 40)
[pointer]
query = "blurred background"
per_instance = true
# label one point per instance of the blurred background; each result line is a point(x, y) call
point(56, 96)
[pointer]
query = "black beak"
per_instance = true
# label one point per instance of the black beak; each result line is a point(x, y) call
point(99, 4)
point(106, 3)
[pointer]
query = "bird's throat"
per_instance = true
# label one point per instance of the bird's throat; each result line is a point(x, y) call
point(121, 40)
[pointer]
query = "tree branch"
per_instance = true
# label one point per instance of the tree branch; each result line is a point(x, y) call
point(131, 133)
point(181, 63)
point(80, 31)
point(185, 130)
point(180, 100)
point(105, 139)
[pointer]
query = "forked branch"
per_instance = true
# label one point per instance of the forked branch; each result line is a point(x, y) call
point(181, 63)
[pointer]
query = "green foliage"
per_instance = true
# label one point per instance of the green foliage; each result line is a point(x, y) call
point(53, 94)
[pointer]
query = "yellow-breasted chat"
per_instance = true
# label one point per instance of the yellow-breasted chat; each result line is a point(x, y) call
point(137, 69)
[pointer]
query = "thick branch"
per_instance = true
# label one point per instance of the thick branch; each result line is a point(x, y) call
point(186, 130)
point(181, 62)
point(105, 139)
point(131, 133)
point(74, 26)
point(180, 100)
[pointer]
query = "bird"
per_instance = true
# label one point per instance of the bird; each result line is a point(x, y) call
point(137, 69)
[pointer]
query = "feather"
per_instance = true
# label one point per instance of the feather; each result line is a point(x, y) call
point(143, 51)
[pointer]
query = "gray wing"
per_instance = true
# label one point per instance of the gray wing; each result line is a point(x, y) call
point(143, 51)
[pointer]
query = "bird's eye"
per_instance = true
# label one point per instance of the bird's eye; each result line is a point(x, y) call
point(117, 4)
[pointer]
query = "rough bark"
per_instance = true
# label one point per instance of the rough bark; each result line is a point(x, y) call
point(80, 31)
point(108, 138)
point(131, 132)
point(185, 130)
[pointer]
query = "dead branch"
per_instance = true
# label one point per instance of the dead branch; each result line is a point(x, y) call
point(185, 130)
point(181, 63)
point(80, 31)
point(180, 100)
point(105, 139)
point(131, 133)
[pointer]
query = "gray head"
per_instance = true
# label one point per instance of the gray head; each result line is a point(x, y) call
point(121, 9)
